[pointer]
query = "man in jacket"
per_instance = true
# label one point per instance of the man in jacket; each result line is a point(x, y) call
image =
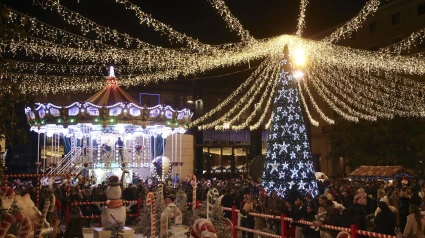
point(298, 213)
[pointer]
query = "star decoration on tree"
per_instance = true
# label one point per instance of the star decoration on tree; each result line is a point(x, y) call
point(274, 166)
point(301, 185)
point(283, 147)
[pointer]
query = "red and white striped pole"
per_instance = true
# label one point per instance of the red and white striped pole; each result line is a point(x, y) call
point(235, 222)
point(150, 200)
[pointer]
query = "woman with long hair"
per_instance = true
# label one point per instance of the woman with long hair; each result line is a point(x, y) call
point(415, 223)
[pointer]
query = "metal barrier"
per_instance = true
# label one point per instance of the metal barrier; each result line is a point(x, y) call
point(353, 230)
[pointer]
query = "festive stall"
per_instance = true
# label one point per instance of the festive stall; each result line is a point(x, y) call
point(381, 172)
point(106, 132)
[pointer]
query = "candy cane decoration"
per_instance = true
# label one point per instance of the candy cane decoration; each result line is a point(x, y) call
point(26, 225)
point(160, 192)
point(150, 200)
point(193, 177)
point(7, 191)
point(203, 228)
point(25, 222)
point(42, 217)
point(212, 197)
point(6, 223)
point(37, 192)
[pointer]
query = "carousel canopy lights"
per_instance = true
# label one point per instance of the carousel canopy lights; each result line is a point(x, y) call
point(120, 117)
point(111, 110)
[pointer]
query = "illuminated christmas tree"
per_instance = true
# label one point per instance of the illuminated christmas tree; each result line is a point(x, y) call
point(288, 165)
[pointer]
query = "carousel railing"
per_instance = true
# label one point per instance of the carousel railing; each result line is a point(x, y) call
point(63, 164)
point(114, 156)
point(67, 165)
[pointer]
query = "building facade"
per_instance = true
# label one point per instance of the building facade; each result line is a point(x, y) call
point(394, 21)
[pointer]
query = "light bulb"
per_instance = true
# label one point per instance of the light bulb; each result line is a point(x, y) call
point(299, 57)
point(298, 74)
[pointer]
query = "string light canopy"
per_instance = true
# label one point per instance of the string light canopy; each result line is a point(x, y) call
point(356, 84)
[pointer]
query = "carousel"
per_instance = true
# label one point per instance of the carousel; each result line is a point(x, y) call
point(106, 133)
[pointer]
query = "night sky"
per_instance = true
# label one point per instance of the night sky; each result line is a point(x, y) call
point(198, 19)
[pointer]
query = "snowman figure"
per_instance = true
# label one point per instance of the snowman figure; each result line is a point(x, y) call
point(114, 205)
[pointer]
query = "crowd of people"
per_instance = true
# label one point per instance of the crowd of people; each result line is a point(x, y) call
point(373, 205)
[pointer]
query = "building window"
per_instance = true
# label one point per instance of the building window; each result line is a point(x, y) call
point(395, 40)
point(353, 35)
point(373, 47)
point(395, 18)
point(421, 9)
point(372, 27)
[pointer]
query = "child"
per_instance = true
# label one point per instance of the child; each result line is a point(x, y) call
point(75, 225)
point(320, 217)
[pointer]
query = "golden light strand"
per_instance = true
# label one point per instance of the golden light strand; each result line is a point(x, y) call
point(268, 93)
point(231, 21)
point(310, 118)
point(301, 18)
point(406, 44)
point(325, 91)
point(269, 122)
point(250, 96)
point(330, 102)
point(389, 98)
point(343, 91)
point(38, 28)
point(355, 23)
point(161, 27)
point(230, 98)
point(104, 34)
point(322, 115)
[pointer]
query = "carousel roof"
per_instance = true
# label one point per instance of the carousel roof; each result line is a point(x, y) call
point(111, 94)
point(111, 110)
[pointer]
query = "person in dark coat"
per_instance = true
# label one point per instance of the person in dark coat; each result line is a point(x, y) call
point(385, 221)
point(416, 200)
point(227, 201)
point(403, 211)
point(309, 232)
point(347, 199)
point(75, 224)
point(309, 200)
point(86, 209)
point(298, 213)
point(347, 218)
point(359, 211)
